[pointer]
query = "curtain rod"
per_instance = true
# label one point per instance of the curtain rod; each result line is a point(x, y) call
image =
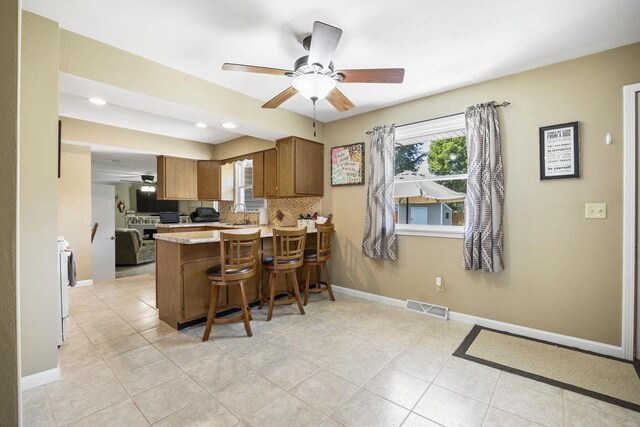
point(503, 104)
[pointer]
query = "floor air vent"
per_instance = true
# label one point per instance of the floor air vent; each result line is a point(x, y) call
point(428, 309)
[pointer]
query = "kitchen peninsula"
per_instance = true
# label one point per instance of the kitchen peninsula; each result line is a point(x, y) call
point(182, 259)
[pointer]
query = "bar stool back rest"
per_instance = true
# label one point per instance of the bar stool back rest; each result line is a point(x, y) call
point(324, 233)
point(288, 248)
point(238, 255)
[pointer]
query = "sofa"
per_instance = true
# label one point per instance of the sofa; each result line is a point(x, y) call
point(131, 249)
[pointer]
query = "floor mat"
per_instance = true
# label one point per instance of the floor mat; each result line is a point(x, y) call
point(601, 377)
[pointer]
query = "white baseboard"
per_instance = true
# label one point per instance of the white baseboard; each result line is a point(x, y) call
point(368, 296)
point(41, 378)
point(593, 346)
point(87, 282)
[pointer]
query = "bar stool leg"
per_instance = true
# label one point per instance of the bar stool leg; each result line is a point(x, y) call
point(326, 273)
point(245, 311)
point(265, 278)
point(307, 275)
point(272, 293)
point(212, 312)
point(296, 290)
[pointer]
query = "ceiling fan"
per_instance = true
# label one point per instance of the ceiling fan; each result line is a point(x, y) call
point(314, 75)
point(148, 180)
point(144, 179)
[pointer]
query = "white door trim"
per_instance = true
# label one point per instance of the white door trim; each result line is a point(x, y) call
point(629, 219)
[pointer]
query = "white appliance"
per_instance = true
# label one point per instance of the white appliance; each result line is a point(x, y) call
point(63, 282)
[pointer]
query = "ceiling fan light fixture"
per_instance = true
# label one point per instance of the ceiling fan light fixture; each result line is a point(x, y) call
point(314, 86)
point(148, 189)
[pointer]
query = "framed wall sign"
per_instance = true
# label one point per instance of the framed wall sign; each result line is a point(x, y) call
point(559, 151)
point(347, 164)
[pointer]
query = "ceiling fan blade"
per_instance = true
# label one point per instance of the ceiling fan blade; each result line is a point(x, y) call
point(379, 75)
point(281, 97)
point(255, 69)
point(339, 101)
point(324, 41)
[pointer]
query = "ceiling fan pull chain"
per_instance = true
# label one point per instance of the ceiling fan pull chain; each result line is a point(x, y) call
point(314, 117)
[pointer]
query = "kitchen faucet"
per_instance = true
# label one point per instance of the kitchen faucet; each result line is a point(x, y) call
point(244, 211)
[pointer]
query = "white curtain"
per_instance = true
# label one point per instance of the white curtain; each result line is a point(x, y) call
point(380, 236)
point(483, 233)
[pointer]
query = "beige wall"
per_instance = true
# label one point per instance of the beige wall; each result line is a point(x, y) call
point(74, 205)
point(562, 272)
point(74, 130)
point(240, 146)
point(96, 61)
point(9, 70)
point(38, 193)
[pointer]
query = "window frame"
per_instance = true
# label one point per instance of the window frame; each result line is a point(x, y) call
point(239, 190)
point(445, 124)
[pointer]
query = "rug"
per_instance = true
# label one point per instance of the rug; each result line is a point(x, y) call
point(602, 377)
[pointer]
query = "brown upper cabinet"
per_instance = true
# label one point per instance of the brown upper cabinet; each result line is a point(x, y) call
point(177, 178)
point(293, 169)
point(300, 167)
point(270, 168)
point(258, 174)
point(209, 180)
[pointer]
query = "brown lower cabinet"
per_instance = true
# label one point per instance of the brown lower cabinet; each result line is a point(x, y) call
point(183, 290)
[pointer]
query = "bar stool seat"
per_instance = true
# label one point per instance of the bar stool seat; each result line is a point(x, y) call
point(318, 257)
point(216, 271)
point(269, 261)
point(238, 263)
point(311, 254)
point(288, 255)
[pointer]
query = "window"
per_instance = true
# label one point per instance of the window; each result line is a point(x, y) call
point(431, 177)
point(244, 187)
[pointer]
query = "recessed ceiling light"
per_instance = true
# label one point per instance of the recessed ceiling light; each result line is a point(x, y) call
point(229, 125)
point(201, 125)
point(97, 101)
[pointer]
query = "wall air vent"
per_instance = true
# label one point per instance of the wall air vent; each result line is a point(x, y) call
point(428, 309)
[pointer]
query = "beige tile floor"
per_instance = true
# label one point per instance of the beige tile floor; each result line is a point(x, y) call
point(351, 362)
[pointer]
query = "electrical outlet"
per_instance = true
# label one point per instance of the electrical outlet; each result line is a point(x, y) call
point(439, 285)
point(595, 210)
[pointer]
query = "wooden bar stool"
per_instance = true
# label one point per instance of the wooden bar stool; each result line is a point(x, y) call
point(288, 252)
point(318, 257)
point(238, 262)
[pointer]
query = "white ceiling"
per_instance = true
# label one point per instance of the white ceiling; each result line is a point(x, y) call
point(111, 165)
point(441, 44)
point(139, 112)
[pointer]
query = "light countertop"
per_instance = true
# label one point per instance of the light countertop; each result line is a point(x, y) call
point(201, 224)
point(197, 237)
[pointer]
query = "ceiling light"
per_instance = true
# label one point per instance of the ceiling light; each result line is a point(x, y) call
point(314, 86)
point(229, 125)
point(201, 125)
point(97, 101)
point(148, 189)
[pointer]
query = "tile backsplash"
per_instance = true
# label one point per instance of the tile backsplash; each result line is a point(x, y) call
point(291, 207)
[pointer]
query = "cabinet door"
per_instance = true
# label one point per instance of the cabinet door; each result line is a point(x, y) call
point(271, 173)
point(286, 167)
point(309, 168)
point(178, 178)
point(208, 180)
point(196, 290)
point(258, 175)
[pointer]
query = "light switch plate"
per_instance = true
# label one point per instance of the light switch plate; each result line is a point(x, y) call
point(595, 210)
